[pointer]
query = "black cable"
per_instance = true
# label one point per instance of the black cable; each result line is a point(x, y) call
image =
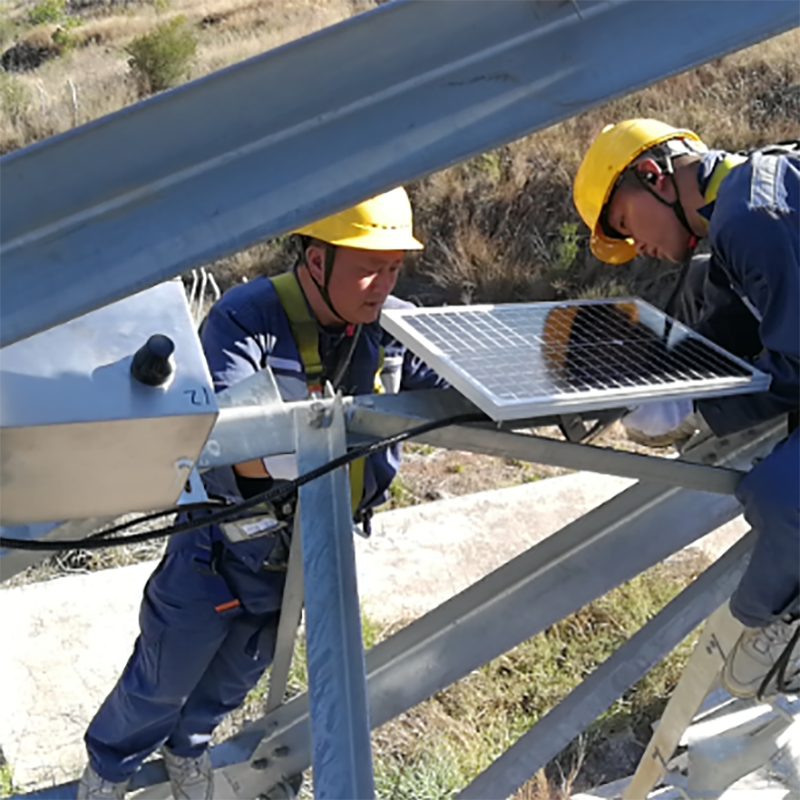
point(99, 540)
point(344, 360)
point(778, 671)
point(200, 506)
point(683, 274)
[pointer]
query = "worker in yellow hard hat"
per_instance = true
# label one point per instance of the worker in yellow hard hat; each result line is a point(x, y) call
point(649, 188)
point(639, 154)
point(210, 613)
point(375, 232)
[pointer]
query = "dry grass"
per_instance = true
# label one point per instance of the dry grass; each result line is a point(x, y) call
point(494, 224)
point(230, 31)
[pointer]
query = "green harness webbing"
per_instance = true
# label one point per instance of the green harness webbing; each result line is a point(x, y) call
point(720, 171)
point(305, 331)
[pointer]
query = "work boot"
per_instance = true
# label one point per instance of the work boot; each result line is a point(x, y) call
point(752, 667)
point(190, 778)
point(92, 787)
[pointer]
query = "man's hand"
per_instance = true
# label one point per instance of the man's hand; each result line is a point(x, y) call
point(662, 424)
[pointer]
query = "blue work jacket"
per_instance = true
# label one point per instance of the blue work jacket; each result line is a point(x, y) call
point(754, 235)
point(247, 330)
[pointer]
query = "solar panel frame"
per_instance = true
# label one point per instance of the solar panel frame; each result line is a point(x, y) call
point(465, 344)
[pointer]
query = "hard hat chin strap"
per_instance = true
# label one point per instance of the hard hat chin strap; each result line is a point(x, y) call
point(322, 288)
point(675, 205)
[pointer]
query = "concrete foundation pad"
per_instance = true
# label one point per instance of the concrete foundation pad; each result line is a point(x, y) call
point(66, 641)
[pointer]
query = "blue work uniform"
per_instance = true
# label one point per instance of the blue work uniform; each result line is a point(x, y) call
point(210, 611)
point(754, 235)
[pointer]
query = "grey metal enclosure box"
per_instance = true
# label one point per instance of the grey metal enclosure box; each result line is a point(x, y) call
point(79, 436)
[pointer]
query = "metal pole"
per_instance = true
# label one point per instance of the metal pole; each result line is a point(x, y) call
point(375, 423)
point(340, 738)
point(583, 561)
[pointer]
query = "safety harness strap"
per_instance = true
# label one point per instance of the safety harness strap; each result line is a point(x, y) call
point(304, 327)
point(305, 331)
point(720, 171)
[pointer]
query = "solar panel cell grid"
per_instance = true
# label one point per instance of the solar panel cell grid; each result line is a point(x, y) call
point(523, 359)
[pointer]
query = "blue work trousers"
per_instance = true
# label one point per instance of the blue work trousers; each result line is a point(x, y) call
point(770, 495)
point(198, 654)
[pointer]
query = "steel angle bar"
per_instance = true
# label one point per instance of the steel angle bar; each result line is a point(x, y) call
point(416, 407)
point(425, 405)
point(335, 653)
point(612, 679)
point(253, 422)
point(586, 559)
point(246, 432)
point(335, 119)
point(291, 612)
point(258, 389)
point(372, 422)
point(652, 469)
point(152, 778)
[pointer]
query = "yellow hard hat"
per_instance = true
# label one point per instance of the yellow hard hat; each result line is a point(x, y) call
point(610, 153)
point(382, 223)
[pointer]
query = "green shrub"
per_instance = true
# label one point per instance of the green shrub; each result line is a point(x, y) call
point(159, 59)
point(48, 11)
point(568, 245)
point(63, 40)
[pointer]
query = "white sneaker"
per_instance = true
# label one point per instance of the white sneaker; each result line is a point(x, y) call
point(756, 653)
point(190, 778)
point(92, 787)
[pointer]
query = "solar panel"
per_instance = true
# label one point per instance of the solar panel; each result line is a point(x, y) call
point(525, 360)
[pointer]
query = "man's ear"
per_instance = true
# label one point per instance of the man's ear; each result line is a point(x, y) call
point(315, 261)
point(650, 172)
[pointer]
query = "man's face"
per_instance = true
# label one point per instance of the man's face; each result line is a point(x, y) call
point(362, 280)
point(655, 229)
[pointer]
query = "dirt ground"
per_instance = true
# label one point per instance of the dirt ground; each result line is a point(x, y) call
point(432, 473)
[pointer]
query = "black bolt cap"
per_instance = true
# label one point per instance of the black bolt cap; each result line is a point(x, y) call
point(151, 363)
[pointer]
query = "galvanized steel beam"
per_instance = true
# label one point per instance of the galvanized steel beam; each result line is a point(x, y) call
point(583, 561)
point(555, 577)
point(632, 661)
point(291, 613)
point(255, 150)
point(334, 649)
point(376, 417)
